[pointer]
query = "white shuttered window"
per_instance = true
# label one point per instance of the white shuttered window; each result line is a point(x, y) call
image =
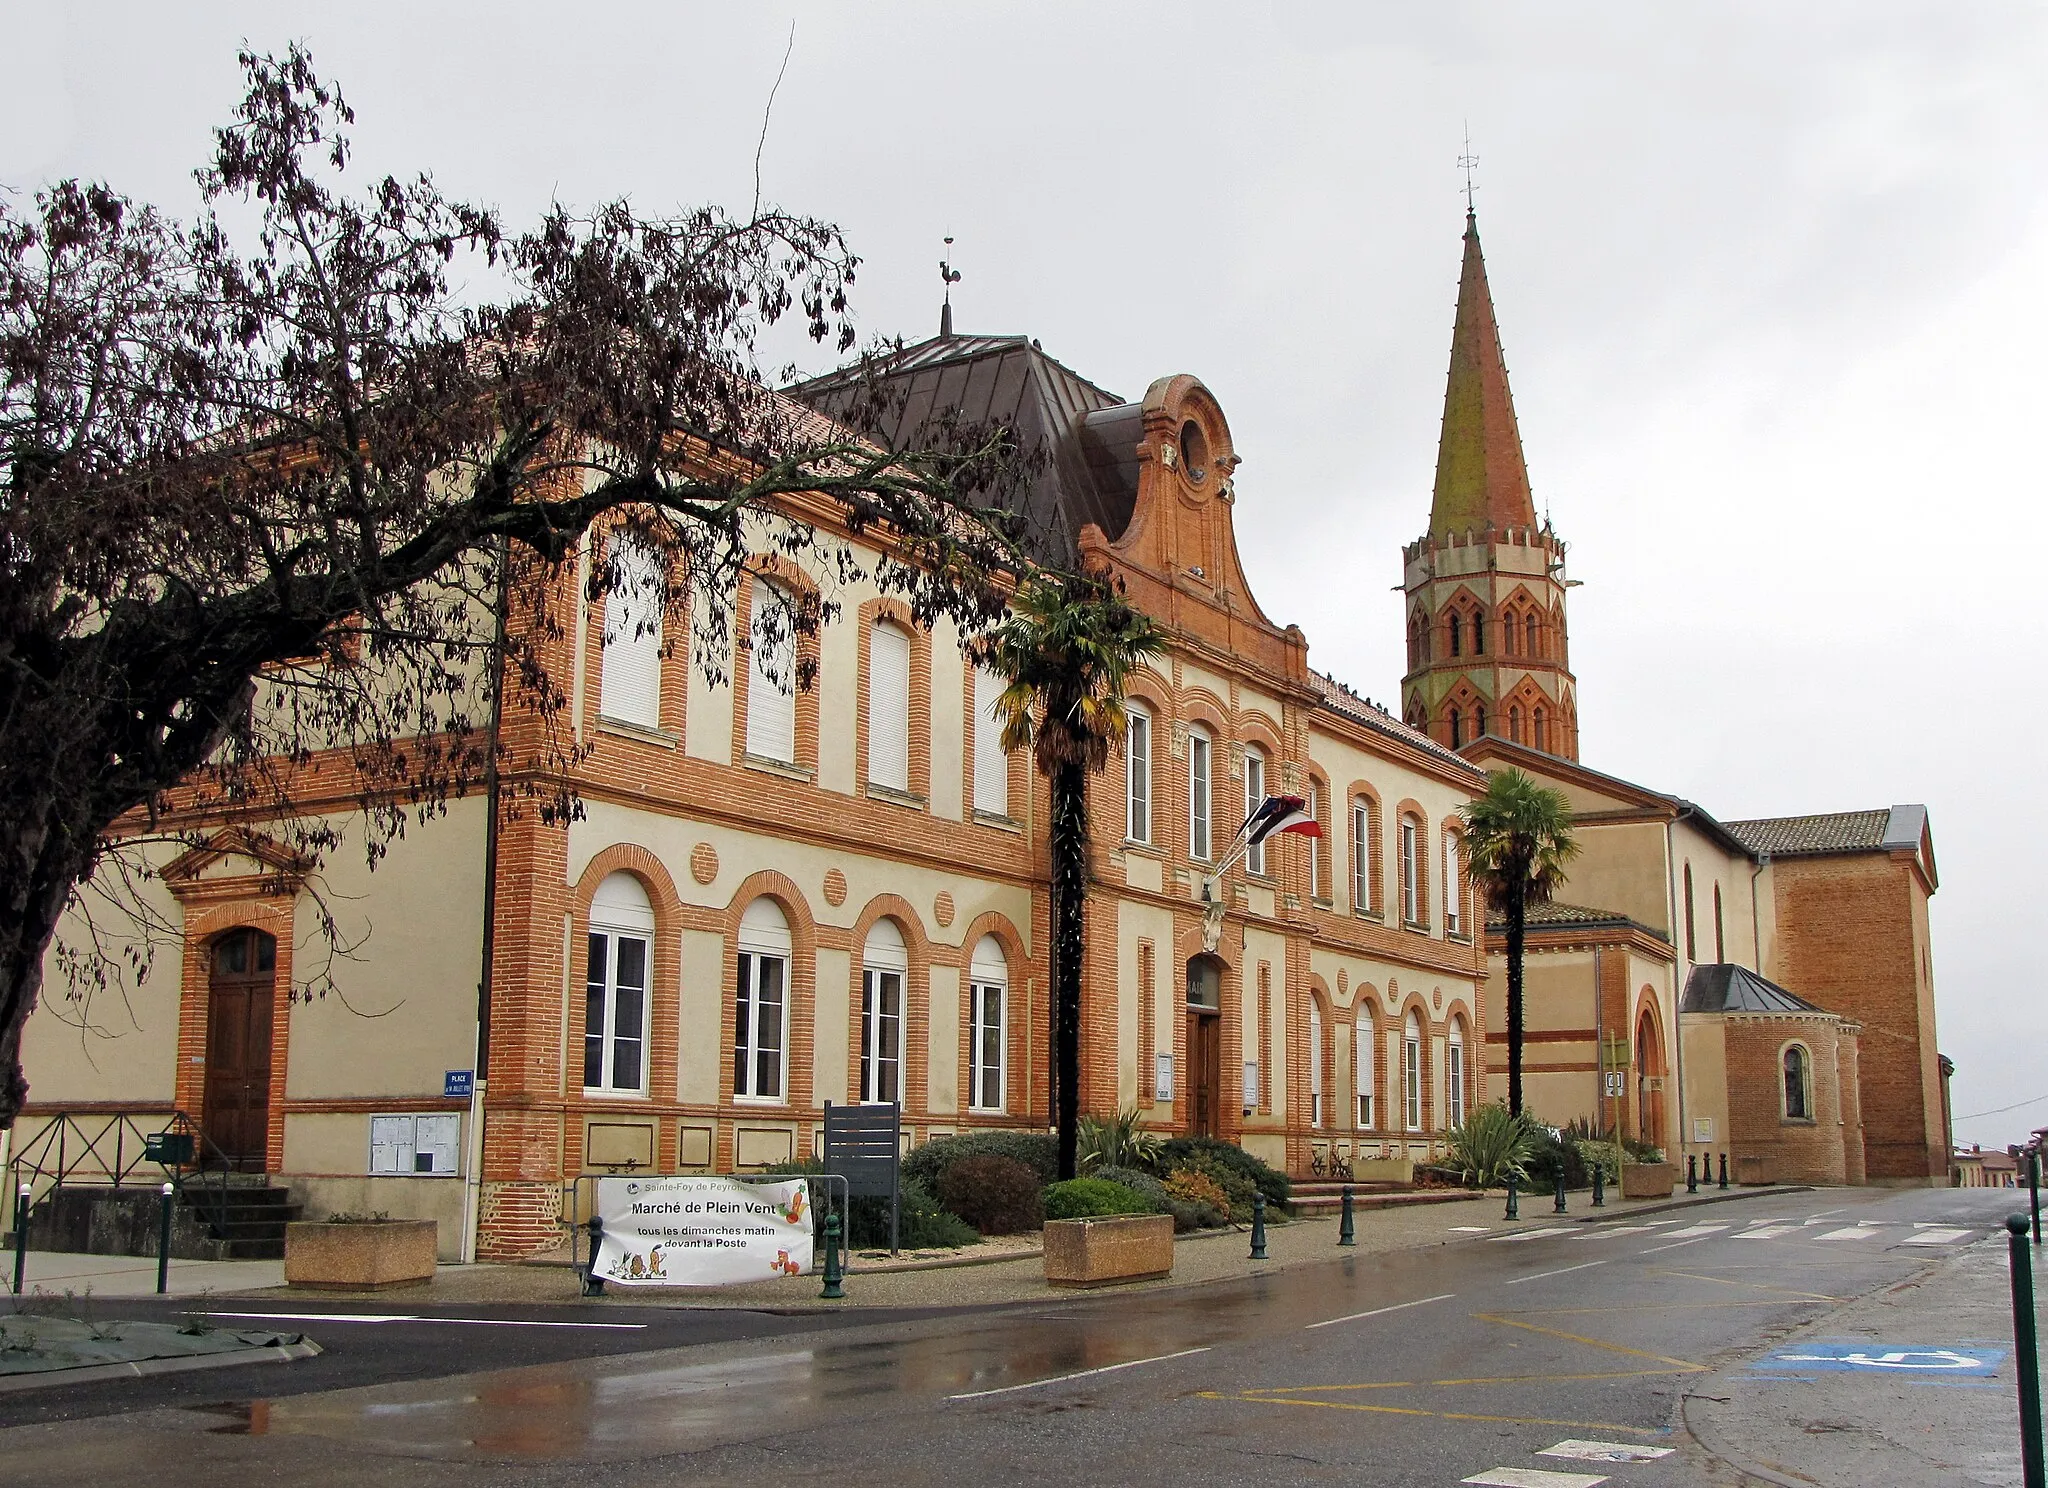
point(889, 707)
point(1365, 1070)
point(771, 689)
point(1254, 798)
point(991, 765)
point(630, 690)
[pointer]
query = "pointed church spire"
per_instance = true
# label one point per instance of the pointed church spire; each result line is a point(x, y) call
point(1481, 478)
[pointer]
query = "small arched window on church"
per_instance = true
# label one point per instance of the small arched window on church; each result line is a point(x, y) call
point(1457, 728)
point(1798, 1084)
point(1720, 945)
point(1691, 953)
point(1529, 636)
point(1457, 635)
point(1542, 732)
point(1479, 721)
point(1507, 633)
point(1515, 720)
point(1478, 634)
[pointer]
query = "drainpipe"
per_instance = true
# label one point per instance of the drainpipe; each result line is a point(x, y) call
point(1756, 918)
point(1678, 988)
point(473, 1156)
point(1599, 1049)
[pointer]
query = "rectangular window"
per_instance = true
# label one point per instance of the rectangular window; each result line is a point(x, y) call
point(614, 1011)
point(1365, 1076)
point(1138, 776)
point(1254, 798)
point(1361, 857)
point(881, 1035)
point(1411, 1080)
point(759, 1022)
point(1198, 795)
point(629, 688)
point(991, 765)
point(1315, 1065)
point(1411, 886)
point(889, 707)
point(985, 1046)
point(1315, 848)
point(771, 685)
point(1454, 921)
point(1454, 1082)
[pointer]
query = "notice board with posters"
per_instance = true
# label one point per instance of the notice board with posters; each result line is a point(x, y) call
point(702, 1232)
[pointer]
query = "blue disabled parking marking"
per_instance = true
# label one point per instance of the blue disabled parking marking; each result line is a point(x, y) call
point(1924, 1361)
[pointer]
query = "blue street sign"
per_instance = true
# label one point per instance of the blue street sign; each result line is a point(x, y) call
point(459, 1082)
point(1908, 1360)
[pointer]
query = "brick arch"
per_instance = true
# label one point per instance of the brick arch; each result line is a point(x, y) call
point(803, 992)
point(1652, 1119)
point(890, 610)
point(665, 985)
point(1469, 703)
point(1199, 705)
point(1804, 1044)
point(1017, 1095)
point(1256, 728)
point(780, 570)
point(917, 999)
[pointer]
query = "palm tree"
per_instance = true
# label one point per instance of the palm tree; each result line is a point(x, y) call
point(1065, 649)
point(1518, 837)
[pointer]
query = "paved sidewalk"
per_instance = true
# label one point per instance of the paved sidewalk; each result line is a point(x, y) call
point(1917, 1413)
point(56, 1272)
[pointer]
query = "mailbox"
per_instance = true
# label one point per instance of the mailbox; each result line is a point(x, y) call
point(171, 1148)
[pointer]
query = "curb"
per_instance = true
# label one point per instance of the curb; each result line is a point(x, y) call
point(282, 1353)
point(1695, 1201)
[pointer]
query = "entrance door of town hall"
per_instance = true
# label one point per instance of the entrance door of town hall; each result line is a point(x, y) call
point(1205, 1045)
point(240, 996)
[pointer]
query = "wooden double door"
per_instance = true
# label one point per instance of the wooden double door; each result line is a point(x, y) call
point(241, 997)
point(1205, 1046)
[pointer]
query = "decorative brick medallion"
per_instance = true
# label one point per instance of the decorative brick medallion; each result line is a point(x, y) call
point(703, 862)
point(1343, 982)
point(942, 909)
point(835, 887)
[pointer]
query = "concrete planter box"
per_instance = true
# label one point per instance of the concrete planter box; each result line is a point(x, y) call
point(1383, 1170)
point(1648, 1180)
point(1755, 1169)
point(359, 1257)
point(1101, 1252)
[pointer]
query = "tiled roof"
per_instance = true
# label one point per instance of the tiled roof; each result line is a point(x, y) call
point(1555, 912)
point(1832, 832)
point(1342, 700)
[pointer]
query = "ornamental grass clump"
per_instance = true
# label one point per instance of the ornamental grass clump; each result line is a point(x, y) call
point(1493, 1144)
point(1117, 1142)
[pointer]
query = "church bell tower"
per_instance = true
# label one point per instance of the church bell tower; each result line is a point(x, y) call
point(1485, 586)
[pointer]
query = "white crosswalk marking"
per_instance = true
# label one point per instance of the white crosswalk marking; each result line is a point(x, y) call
point(1533, 1477)
point(1608, 1232)
point(1766, 1232)
point(1937, 1235)
point(1574, 1450)
point(1698, 1229)
point(1853, 1232)
point(1527, 1235)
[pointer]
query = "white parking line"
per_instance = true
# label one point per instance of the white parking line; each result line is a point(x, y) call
point(1060, 1379)
point(410, 1317)
point(1398, 1306)
point(1583, 1266)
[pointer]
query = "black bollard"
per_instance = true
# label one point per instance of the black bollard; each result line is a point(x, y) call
point(593, 1284)
point(1258, 1227)
point(20, 1235)
point(1558, 1206)
point(2033, 1182)
point(1347, 1232)
point(1692, 1172)
point(1514, 1211)
point(833, 1275)
point(2024, 1351)
point(163, 1239)
point(1599, 1185)
point(1724, 1172)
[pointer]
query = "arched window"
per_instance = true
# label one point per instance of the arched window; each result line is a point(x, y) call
point(1798, 1084)
point(1507, 633)
point(1315, 1063)
point(1720, 940)
point(1479, 720)
point(991, 765)
point(1457, 635)
point(1454, 1073)
point(630, 687)
point(1411, 1074)
point(761, 1004)
point(1529, 637)
point(1515, 723)
point(1457, 728)
point(885, 966)
point(1365, 1073)
point(1691, 954)
point(1454, 919)
point(1479, 633)
point(1314, 802)
point(618, 956)
point(771, 684)
point(1361, 856)
point(988, 988)
point(1254, 798)
point(1138, 773)
point(1199, 747)
point(889, 707)
point(1542, 732)
point(1411, 871)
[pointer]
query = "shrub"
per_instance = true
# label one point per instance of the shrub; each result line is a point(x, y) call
point(1237, 1189)
point(1641, 1152)
point(1599, 1154)
point(1090, 1198)
point(1192, 1187)
point(1117, 1142)
point(997, 1195)
point(1491, 1144)
point(921, 1222)
point(1036, 1150)
point(1231, 1158)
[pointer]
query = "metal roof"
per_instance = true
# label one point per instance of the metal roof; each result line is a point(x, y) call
point(1723, 987)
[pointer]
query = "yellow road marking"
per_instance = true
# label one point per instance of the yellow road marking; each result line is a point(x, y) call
point(1683, 1366)
point(1405, 1410)
point(1654, 1307)
point(1752, 1285)
point(1495, 1379)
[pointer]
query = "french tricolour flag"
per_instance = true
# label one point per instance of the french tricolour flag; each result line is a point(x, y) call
point(1278, 814)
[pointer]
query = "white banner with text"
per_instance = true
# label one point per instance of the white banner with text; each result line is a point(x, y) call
point(702, 1232)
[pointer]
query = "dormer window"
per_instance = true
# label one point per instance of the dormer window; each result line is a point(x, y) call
point(1194, 451)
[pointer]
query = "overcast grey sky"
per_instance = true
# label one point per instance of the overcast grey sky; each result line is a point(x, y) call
point(1770, 279)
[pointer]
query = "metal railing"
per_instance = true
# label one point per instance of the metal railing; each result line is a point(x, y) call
point(112, 1150)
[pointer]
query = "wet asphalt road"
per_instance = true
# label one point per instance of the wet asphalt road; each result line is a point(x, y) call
point(1419, 1367)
